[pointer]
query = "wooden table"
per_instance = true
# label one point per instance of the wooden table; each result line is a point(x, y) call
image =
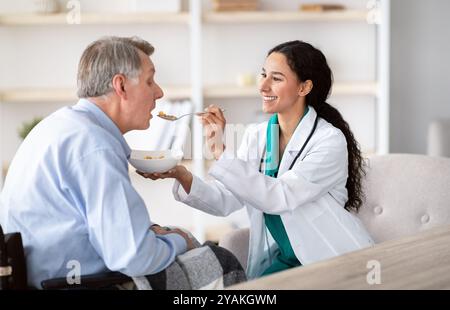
point(421, 261)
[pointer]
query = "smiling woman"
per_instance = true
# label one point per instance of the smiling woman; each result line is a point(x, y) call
point(280, 87)
point(298, 175)
point(311, 68)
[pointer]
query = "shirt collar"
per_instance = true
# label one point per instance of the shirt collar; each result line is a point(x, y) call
point(104, 121)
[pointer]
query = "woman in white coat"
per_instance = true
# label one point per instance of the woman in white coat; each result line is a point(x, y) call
point(301, 207)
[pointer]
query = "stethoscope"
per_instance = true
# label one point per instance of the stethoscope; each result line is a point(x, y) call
point(263, 157)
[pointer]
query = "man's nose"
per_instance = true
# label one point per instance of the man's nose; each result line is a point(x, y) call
point(159, 93)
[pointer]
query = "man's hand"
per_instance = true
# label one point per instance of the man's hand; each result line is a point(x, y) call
point(159, 230)
point(179, 172)
point(164, 231)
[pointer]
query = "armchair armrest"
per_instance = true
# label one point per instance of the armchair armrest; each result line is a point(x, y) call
point(237, 242)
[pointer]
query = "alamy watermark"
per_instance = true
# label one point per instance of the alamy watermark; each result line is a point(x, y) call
point(74, 275)
point(374, 275)
point(73, 16)
point(214, 139)
point(374, 12)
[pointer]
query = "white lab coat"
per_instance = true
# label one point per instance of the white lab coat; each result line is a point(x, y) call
point(310, 197)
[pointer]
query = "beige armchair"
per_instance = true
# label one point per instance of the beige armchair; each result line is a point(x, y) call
point(405, 194)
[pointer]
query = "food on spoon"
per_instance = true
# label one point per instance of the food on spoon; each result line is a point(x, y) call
point(166, 116)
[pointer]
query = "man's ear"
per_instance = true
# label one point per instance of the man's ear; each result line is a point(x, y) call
point(118, 83)
point(305, 88)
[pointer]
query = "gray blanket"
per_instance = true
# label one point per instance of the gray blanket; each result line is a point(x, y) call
point(206, 267)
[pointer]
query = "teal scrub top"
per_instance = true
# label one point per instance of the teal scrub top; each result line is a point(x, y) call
point(285, 258)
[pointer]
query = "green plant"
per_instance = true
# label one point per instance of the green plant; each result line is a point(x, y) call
point(26, 127)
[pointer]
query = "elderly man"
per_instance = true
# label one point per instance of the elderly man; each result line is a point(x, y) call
point(68, 191)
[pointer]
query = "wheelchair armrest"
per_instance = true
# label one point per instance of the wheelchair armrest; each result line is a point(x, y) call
point(13, 257)
point(91, 282)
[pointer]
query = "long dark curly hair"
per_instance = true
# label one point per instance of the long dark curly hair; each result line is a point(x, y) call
point(309, 63)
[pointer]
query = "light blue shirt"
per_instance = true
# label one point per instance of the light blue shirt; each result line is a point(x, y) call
point(69, 194)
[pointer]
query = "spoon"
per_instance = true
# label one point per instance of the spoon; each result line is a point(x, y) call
point(168, 117)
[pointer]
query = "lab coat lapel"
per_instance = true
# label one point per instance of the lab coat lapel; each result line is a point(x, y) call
point(299, 137)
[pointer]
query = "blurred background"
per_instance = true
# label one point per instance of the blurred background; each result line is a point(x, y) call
point(389, 59)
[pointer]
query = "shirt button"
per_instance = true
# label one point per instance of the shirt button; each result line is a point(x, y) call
point(378, 210)
point(425, 219)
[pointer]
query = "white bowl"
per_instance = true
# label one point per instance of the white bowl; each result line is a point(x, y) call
point(161, 161)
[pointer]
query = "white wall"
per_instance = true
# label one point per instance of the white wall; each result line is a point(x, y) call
point(420, 68)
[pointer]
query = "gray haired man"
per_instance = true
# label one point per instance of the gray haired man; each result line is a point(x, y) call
point(68, 191)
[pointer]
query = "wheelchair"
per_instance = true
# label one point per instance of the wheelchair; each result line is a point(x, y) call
point(13, 270)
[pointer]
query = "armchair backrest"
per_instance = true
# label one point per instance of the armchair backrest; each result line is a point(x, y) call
point(405, 194)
